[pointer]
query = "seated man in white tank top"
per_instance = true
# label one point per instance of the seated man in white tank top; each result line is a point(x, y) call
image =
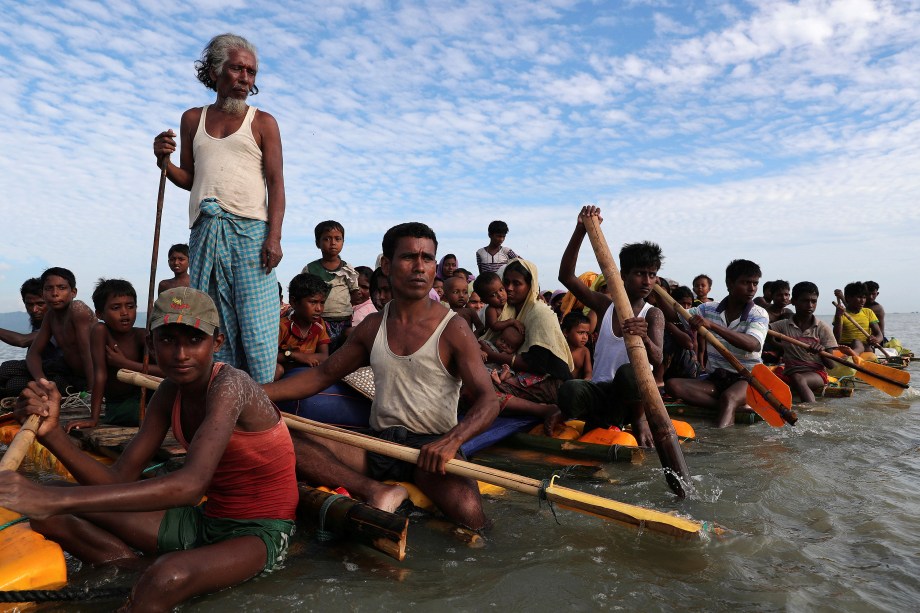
point(420, 354)
point(612, 397)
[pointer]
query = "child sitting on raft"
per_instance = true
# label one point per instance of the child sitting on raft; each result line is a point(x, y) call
point(743, 327)
point(361, 301)
point(508, 342)
point(490, 288)
point(240, 456)
point(802, 369)
point(455, 295)
point(577, 331)
point(780, 294)
point(114, 344)
point(855, 295)
point(302, 336)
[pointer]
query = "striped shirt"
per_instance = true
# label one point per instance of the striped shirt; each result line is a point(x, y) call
point(491, 263)
point(753, 321)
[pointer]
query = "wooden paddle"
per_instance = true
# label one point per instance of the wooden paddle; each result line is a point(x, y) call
point(767, 394)
point(890, 380)
point(575, 500)
point(667, 443)
point(839, 303)
point(20, 444)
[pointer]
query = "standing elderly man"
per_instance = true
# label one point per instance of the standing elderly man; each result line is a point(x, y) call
point(231, 163)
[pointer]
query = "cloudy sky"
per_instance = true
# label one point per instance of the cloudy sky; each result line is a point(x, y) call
point(783, 132)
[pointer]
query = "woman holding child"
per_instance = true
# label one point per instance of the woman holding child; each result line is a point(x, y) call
point(543, 362)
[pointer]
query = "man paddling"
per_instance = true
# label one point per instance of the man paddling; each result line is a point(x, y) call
point(239, 455)
point(743, 326)
point(231, 163)
point(420, 354)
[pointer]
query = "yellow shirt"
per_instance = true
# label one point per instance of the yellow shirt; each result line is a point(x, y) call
point(864, 318)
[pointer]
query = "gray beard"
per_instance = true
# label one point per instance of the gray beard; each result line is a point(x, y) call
point(233, 106)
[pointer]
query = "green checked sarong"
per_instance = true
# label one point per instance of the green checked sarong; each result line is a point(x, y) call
point(225, 250)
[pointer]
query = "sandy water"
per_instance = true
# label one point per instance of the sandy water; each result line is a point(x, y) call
point(824, 516)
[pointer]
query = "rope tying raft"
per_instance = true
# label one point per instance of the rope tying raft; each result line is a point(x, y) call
point(66, 594)
point(323, 535)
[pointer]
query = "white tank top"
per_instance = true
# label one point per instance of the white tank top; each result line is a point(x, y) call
point(230, 170)
point(610, 352)
point(414, 391)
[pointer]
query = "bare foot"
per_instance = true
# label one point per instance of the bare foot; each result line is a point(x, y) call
point(495, 378)
point(388, 497)
point(553, 421)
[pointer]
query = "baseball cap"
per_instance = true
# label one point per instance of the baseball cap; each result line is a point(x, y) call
point(187, 306)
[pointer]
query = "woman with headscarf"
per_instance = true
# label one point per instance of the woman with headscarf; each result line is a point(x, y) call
point(544, 361)
point(446, 267)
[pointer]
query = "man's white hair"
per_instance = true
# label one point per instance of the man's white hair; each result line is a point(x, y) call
point(215, 55)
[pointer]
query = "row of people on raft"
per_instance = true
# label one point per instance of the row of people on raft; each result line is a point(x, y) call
point(555, 363)
point(241, 456)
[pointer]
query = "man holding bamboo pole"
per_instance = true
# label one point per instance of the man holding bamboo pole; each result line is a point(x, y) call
point(231, 163)
point(420, 354)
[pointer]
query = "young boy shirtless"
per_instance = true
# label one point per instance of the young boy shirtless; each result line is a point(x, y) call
point(577, 330)
point(67, 324)
point(239, 455)
point(178, 263)
point(115, 343)
point(780, 294)
point(613, 397)
point(872, 303)
point(455, 294)
point(743, 327)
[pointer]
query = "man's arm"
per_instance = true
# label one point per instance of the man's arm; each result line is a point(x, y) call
point(83, 321)
point(274, 181)
point(651, 331)
point(879, 311)
point(351, 356)
point(594, 300)
point(17, 339)
point(34, 355)
point(164, 144)
point(463, 358)
point(97, 339)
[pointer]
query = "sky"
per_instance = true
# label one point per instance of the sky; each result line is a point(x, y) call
point(787, 133)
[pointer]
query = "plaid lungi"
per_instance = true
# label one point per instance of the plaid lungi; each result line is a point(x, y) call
point(225, 250)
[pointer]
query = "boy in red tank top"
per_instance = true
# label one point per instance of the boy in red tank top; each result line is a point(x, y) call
point(239, 454)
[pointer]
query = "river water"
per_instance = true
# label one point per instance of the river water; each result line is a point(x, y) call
point(822, 516)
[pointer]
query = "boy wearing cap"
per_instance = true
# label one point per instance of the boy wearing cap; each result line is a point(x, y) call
point(240, 456)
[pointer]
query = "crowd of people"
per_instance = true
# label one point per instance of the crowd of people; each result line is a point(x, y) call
point(450, 349)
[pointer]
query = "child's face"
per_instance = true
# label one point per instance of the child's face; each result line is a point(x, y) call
point(57, 292)
point(577, 336)
point(496, 239)
point(686, 302)
point(495, 294)
point(855, 303)
point(310, 308)
point(743, 288)
point(701, 288)
point(119, 313)
point(364, 291)
point(330, 243)
point(456, 295)
point(782, 296)
point(383, 294)
point(178, 262)
point(475, 302)
point(439, 288)
point(185, 354)
point(639, 281)
point(806, 304)
point(508, 342)
point(448, 268)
